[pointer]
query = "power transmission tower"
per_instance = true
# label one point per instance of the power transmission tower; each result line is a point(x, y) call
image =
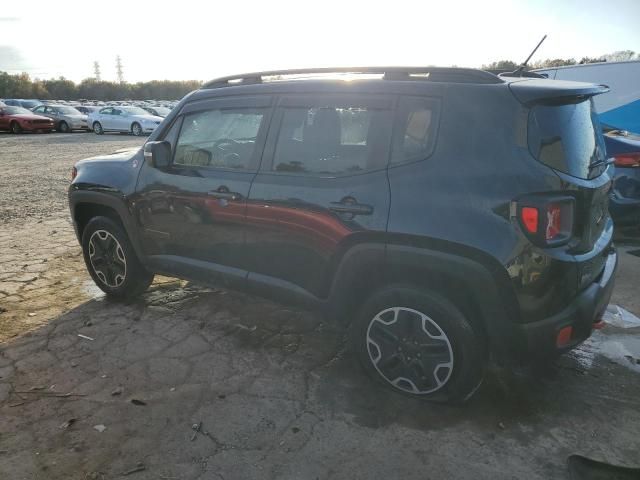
point(96, 71)
point(119, 72)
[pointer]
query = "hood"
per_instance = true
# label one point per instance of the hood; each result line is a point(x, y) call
point(28, 116)
point(122, 155)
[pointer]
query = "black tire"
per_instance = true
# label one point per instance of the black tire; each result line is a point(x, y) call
point(63, 127)
point(15, 127)
point(136, 129)
point(428, 366)
point(97, 128)
point(109, 275)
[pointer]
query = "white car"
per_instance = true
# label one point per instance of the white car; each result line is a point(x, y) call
point(123, 119)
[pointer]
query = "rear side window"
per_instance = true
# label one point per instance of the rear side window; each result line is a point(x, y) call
point(416, 129)
point(567, 138)
point(332, 140)
point(219, 138)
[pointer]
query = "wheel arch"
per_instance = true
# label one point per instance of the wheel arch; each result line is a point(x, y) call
point(87, 205)
point(473, 283)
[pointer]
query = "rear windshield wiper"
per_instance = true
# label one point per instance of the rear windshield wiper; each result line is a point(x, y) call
point(599, 163)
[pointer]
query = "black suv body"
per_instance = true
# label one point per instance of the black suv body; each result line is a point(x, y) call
point(444, 214)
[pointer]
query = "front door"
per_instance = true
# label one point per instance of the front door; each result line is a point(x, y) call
point(105, 117)
point(194, 211)
point(322, 183)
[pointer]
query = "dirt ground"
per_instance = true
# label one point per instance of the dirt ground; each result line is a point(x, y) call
point(93, 389)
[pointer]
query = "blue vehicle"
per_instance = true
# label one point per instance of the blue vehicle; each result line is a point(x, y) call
point(619, 115)
point(624, 199)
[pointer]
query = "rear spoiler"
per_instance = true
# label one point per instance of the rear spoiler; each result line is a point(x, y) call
point(554, 92)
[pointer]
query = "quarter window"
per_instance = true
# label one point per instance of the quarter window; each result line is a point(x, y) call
point(219, 138)
point(416, 132)
point(331, 140)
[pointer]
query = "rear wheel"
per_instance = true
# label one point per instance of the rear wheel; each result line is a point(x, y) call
point(418, 343)
point(15, 127)
point(136, 129)
point(63, 127)
point(112, 261)
point(97, 128)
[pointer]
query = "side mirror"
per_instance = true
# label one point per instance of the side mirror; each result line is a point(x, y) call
point(158, 154)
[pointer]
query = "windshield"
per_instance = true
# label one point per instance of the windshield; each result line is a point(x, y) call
point(30, 103)
point(134, 111)
point(16, 111)
point(162, 110)
point(567, 137)
point(67, 110)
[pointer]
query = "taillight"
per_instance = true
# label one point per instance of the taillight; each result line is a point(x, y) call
point(627, 160)
point(547, 221)
point(530, 219)
point(74, 173)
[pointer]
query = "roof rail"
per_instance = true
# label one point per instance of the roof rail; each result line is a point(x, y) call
point(434, 74)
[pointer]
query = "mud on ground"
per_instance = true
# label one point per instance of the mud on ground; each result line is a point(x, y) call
point(94, 389)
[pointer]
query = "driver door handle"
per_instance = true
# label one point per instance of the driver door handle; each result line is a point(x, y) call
point(223, 193)
point(353, 208)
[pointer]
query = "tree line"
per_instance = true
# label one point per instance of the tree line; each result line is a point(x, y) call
point(23, 86)
point(619, 56)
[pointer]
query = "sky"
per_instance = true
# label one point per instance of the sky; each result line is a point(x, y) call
point(187, 39)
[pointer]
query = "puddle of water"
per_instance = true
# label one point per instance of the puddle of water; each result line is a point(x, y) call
point(621, 349)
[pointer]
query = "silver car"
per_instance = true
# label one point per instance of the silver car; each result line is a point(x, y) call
point(66, 118)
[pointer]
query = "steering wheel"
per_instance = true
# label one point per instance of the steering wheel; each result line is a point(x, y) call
point(225, 141)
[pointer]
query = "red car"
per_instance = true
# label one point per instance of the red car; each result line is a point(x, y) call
point(18, 120)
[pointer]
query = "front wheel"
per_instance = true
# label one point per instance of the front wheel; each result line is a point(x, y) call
point(15, 127)
point(64, 127)
point(112, 261)
point(418, 343)
point(136, 129)
point(97, 128)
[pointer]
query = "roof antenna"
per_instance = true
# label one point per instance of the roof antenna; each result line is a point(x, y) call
point(518, 71)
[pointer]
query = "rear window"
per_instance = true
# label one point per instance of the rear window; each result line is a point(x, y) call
point(567, 138)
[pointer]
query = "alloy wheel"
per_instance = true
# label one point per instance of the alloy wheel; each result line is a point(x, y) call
point(107, 258)
point(409, 350)
point(136, 129)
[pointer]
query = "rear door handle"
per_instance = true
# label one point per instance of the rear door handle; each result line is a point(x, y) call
point(351, 207)
point(223, 193)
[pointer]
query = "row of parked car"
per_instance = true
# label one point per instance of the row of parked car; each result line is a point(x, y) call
point(138, 118)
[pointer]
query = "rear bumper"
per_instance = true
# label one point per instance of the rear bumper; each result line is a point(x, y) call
point(539, 338)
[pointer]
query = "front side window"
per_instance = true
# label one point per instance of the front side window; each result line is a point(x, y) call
point(416, 129)
point(39, 109)
point(219, 138)
point(331, 140)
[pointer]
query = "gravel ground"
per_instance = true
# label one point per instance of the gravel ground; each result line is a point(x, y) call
point(36, 169)
point(95, 389)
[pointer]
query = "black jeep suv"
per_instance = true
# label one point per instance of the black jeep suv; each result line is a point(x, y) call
point(445, 215)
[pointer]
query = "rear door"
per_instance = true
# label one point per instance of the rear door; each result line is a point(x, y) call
point(195, 209)
point(322, 183)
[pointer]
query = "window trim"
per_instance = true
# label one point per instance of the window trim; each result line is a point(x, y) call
point(222, 104)
point(395, 140)
point(283, 102)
